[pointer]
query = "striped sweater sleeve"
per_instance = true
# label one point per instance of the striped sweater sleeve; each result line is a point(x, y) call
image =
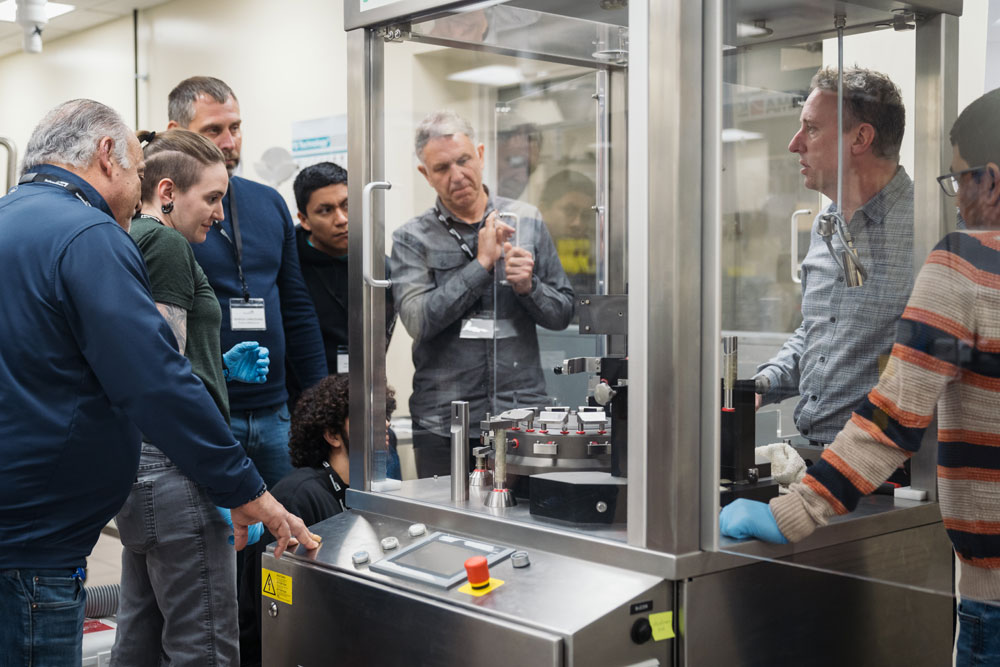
point(934, 339)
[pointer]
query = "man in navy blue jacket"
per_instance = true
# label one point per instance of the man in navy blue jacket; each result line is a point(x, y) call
point(252, 263)
point(86, 364)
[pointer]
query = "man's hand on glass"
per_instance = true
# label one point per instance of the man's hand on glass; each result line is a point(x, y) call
point(492, 236)
point(519, 265)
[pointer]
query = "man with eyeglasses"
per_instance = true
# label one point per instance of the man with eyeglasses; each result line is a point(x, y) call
point(947, 353)
point(847, 332)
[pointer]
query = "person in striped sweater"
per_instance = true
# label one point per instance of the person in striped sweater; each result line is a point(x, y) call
point(947, 353)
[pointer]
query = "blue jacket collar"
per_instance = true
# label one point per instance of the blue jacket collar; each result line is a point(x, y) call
point(93, 196)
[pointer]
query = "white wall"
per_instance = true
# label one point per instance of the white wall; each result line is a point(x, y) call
point(284, 60)
point(95, 64)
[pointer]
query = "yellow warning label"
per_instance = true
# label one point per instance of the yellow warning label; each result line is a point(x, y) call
point(663, 625)
point(276, 585)
point(479, 592)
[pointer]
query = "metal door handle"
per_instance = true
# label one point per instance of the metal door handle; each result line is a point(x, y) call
point(11, 163)
point(366, 234)
point(796, 264)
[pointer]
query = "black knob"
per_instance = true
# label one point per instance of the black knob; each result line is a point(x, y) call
point(558, 370)
point(642, 631)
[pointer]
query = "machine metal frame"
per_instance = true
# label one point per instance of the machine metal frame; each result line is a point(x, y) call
point(673, 125)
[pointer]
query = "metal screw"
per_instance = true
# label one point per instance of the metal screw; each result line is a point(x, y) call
point(272, 610)
point(753, 475)
point(602, 506)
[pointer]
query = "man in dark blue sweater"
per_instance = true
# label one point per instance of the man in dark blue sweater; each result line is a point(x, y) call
point(252, 264)
point(86, 364)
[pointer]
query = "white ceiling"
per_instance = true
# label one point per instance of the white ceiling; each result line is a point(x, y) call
point(88, 13)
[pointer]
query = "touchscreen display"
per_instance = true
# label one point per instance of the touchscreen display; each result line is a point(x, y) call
point(441, 558)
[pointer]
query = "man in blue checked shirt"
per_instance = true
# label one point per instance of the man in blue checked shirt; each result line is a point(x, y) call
point(834, 356)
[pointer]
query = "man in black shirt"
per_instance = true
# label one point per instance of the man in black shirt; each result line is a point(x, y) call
point(321, 196)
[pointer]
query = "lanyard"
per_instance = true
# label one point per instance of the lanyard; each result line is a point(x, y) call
point(38, 177)
point(237, 240)
point(338, 490)
point(455, 235)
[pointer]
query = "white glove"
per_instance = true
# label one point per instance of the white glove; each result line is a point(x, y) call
point(787, 466)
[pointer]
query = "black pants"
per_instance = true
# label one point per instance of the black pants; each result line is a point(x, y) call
point(432, 453)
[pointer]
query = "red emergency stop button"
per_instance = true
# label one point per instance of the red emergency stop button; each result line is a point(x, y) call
point(478, 571)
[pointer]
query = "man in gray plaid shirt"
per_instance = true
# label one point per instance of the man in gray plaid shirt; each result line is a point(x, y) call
point(835, 355)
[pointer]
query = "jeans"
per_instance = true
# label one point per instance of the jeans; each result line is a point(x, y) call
point(178, 595)
point(264, 434)
point(978, 634)
point(41, 618)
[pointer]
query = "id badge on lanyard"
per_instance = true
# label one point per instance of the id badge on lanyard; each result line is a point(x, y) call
point(343, 360)
point(483, 326)
point(247, 315)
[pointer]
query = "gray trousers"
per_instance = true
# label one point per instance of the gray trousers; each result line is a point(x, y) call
point(178, 597)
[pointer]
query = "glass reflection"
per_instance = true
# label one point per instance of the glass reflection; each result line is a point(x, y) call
point(494, 233)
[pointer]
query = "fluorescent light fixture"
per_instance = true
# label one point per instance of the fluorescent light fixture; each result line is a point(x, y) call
point(753, 30)
point(490, 75)
point(8, 10)
point(734, 134)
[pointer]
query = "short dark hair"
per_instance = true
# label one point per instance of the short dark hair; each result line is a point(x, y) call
point(180, 155)
point(180, 102)
point(314, 177)
point(975, 131)
point(869, 97)
point(321, 408)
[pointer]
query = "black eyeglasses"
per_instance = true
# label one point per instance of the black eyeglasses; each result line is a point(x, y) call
point(949, 182)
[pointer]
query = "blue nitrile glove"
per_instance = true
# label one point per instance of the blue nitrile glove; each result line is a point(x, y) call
point(254, 531)
point(742, 519)
point(247, 362)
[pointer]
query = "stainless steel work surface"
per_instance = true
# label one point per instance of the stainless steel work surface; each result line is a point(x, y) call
point(555, 592)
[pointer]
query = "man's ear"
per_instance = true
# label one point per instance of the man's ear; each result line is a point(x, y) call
point(864, 136)
point(990, 189)
point(303, 221)
point(105, 158)
point(333, 439)
point(423, 170)
point(171, 124)
point(480, 150)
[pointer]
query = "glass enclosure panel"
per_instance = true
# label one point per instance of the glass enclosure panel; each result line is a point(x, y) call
point(798, 335)
point(498, 237)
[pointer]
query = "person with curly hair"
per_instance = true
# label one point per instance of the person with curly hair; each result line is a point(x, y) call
point(319, 445)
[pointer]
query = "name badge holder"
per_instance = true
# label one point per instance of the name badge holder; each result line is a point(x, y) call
point(247, 315)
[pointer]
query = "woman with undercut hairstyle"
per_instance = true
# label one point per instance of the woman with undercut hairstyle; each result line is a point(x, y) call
point(178, 596)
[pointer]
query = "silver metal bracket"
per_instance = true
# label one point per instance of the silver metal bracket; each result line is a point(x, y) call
point(603, 314)
point(394, 33)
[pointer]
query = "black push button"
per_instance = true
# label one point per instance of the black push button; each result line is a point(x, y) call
point(642, 631)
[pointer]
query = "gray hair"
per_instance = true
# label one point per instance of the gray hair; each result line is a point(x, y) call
point(180, 102)
point(869, 97)
point(441, 124)
point(69, 135)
